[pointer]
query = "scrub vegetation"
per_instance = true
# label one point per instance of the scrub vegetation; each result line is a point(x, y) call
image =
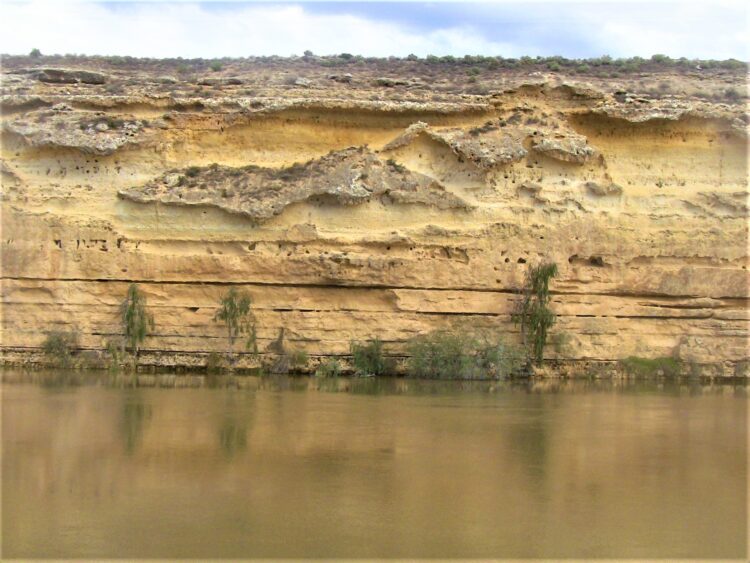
point(461, 355)
point(59, 347)
point(532, 310)
point(650, 367)
point(236, 314)
point(136, 320)
point(368, 359)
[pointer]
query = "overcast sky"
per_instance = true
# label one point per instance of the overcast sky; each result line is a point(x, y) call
point(717, 29)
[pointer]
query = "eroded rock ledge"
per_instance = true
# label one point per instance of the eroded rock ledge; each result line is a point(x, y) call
point(347, 177)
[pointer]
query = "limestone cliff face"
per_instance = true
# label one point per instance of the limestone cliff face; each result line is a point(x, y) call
point(369, 213)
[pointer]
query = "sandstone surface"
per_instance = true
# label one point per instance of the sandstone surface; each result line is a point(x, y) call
point(358, 208)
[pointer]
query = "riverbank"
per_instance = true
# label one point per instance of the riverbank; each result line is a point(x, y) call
point(257, 380)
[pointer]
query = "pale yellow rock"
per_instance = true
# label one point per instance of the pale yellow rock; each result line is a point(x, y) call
point(414, 212)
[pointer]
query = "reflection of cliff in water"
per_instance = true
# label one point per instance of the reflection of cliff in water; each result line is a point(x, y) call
point(404, 469)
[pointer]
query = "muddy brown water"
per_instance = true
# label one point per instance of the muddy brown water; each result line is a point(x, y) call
point(379, 468)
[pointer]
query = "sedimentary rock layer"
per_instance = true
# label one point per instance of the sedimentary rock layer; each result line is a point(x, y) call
point(372, 216)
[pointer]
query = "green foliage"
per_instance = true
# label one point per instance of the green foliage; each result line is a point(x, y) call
point(329, 368)
point(298, 358)
point(732, 94)
point(58, 346)
point(216, 66)
point(192, 171)
point(236, 314)
point(532, 309)
point(461, 355)
point(658, 58)
point(650, 367)
point(214, 363)
point(114, 123)
point(136, 320)
point(114, 348)
point(367, 358)
point(554, 66)
point(35, 53)
point(395, 166)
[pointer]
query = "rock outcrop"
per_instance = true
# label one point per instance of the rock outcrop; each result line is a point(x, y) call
point(347, 177)
point(414, 209)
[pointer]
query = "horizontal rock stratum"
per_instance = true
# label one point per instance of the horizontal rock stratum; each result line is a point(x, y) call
point(369, 208)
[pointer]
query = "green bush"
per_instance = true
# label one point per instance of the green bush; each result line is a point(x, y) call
point(35, 53)
point(659, 58)
point(395, 166)
point(136, 320)
point(59, 346)
point(214, 363)
point(235, 313)
point(329, 368)
point(651, 367)
point(532, 309)
point(367, 358)
point(462, 355)
point(732, 94)
point(116, 351)
point(192, 171)
point(298, 358)
point(216, 66)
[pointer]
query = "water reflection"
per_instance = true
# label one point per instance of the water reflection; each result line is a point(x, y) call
point(135, 415)
point(304, 467)
point(236, 418)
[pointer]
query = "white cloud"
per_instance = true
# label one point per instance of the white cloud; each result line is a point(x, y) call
point(676, 28)
point(716, 30)
point(193, 30)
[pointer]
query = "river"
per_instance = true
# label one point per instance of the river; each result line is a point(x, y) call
point(376, 469)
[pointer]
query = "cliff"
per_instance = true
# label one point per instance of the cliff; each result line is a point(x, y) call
point(373, 201)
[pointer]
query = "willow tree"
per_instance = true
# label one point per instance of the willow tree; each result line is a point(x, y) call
point(236, 314)
point(136, 320)
point(532, 309)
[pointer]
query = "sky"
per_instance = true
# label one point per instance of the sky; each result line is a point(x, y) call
point(716, 29)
